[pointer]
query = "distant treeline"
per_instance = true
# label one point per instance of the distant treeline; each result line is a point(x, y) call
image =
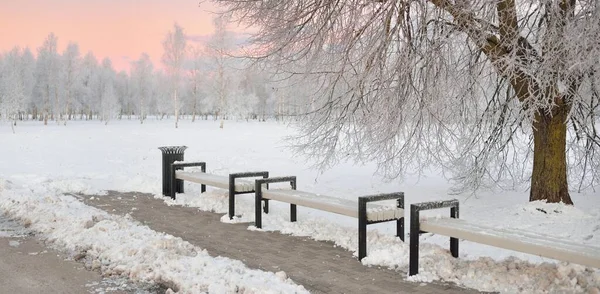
point(63, 86)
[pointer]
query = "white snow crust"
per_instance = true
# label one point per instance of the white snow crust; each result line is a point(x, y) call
point(40, 163)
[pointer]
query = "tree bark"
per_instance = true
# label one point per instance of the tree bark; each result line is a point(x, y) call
point(549, 177)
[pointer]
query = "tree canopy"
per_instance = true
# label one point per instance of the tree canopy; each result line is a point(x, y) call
point(478, 87)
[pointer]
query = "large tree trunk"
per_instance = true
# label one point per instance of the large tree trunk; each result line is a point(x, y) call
point(549, 177)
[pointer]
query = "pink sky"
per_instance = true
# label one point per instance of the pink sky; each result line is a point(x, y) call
point(118, 29)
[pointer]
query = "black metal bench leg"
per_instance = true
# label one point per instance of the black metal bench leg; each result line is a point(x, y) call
point(400, 222)
point(454, 241)
point(203, 187)
point(258, 214)
point(231, 204)
point(266, 201)
point(179, 186)
point(414, 241)
point(454, 247)
point(362, 229)
point(231, 196)
point(257, 208)
point(400, 228)
point(292, 212)
point(173, 183)
point(362, 240)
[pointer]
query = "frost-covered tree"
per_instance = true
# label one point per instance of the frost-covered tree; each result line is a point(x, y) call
point(196, 66)
point(12, 88)
point(109, 103)
point(219, 47)
point(28, 64)
point(243, 104)
point(141, 80)
point(453, 82)
point(70, 76)
point(253, 85)
point(160, 95)
point(90, 84)
point(46, 74)
point(124, 94)
point(174, 46)
point(289, 97)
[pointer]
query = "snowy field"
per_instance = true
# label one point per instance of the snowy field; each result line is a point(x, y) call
point(40, 163)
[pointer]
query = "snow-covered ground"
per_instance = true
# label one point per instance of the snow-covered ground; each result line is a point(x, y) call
point(40, 163)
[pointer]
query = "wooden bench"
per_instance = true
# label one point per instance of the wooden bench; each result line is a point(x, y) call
point(517, 240)
point(366, 214)
point(234, 183)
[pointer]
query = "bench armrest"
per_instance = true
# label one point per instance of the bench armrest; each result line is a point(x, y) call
point(416, 208)
point(260, 182)
point(398, 196)
point(435, 205)
point(232, 177)
point(181, 165)
point(264, 174)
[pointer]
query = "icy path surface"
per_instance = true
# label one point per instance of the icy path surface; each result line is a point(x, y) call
point(11, 228)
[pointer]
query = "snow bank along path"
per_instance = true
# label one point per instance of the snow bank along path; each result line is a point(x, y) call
point(119, 246)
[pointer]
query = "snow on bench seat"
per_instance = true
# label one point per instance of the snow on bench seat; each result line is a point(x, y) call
point(332, 204)
point(527, 242)
point(363, 208)
point(215, 180)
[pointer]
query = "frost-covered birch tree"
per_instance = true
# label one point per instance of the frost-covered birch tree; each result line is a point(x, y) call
point(12, 87)
point(160, 100)
point(90, 79)
point(141, 80)
point(109, 102)
point(488, 89)
point(124, 94)
point(28, 77)
point(254, 90)
point(47, 82)
point(196, 75)
point(70, 77)
point(219, 47)
point(174, 46)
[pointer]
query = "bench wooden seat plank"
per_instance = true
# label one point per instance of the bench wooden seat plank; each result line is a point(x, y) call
point(217, 181)
point(526, 242)
point(332, 204)
point(234, 183)
point(363, 208)
point(512, 239)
